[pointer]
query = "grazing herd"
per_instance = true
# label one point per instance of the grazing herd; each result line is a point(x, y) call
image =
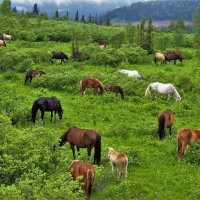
point(87, 138)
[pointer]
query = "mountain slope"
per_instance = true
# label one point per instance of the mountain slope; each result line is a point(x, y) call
point(159, 10)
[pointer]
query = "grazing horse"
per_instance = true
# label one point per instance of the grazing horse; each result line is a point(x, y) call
point(173, 55)
point(83, 138)
point(186, 136)
point(59, 55)
point(165, 120)
point(159, 57)
point(115, 89)
point(119, 160)
point(2, 43)
point(6, 37)
point(91, 82)
point(162, 88)
point(131, 73)
point(86, 170)
point(31, 73)
point(47, 104)
point(102, 44)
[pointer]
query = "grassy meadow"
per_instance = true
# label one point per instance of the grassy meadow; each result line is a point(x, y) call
point(28, 168)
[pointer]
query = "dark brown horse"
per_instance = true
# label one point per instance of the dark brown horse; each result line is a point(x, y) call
point(86, 170)
point(173, 55)
point(116, 89)
point(31, 73)
point(165, 120)
point(91, 82)
point(60, 56)
point(83, 138)
point(186, 136)
point(47, 104)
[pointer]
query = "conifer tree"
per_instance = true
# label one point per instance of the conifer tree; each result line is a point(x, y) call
point(77, 16)
point(141, 32)
point(35, 10)
point(83, 18)
point(5, 7)
point(149, 37)
point(56, 14)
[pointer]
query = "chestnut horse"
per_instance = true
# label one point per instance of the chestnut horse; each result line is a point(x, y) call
point(86, 170)
point(119, 160)
point(186, 136)
point(91, 82)
point(2, 43)
point(115, 89)
point(165, 120)
point(83, 138)
point(31, 73)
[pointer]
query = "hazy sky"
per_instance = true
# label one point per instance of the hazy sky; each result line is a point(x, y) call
point(57, 2)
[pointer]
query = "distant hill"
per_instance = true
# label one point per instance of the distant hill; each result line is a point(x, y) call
point(160, 10)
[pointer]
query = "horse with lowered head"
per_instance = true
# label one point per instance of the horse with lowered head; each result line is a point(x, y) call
point(2, 43)
point(59, 56)
point(93, 83)
point(31, 73)
point(165, 120)
point(82, 138)
point(173, 55)
point(159, 57)
point(162, 88)
point(186, 136)
point(6, 37)
point(119, 160)
point(131, 73)
point(116, 89)
point(86, 170)
point(47, 104)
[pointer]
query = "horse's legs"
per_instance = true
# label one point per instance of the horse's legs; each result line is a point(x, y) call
point(170, 131)
point(61, 61)
point(118, 173)
point(78, 149)
point(31, 78)
point(42, 116)
point(181, 149)
point(73, 150)
point(89, 149)
point(168, 98)
point(95, 90)
point(51, 115)
point(174, 62)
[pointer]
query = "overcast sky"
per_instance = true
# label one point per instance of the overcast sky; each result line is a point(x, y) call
point(58, 2)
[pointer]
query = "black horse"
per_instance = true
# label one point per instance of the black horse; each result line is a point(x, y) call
point(173, 55)
point(59, 55)
point(47, 104)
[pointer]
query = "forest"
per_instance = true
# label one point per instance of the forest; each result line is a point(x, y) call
point(29, 169)
point(159, 10)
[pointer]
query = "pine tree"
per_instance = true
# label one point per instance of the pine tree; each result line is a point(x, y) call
point(108, 20)
point(14, 10)
point(90, 18)
point(96, 19)
point(5, 7)
point(83, 18)
point(196, 20)
point(67, 15)
point(130, 33)
point(149, 37)
point(77, 16)
point(35, 10)
point(178, 35)
point(141, 32)
point(56, 14)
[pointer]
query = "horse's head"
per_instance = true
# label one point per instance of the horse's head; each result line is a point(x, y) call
point(178, 99)
point(60, 112)
point(4, 43)
point(107, 88)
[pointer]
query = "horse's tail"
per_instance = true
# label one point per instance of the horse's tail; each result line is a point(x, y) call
point(161, 126)
point(101, 87)
point(34, 110)
point(97, 150)
point(41, 72)
point(122, 93)
point(148, 91)
point(27, 76)
point(89, 182)
point(155, 59)
point(141, 77)
point(81, 86)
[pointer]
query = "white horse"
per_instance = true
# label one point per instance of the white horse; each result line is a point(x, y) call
point(162, 88)
point(131, 73)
